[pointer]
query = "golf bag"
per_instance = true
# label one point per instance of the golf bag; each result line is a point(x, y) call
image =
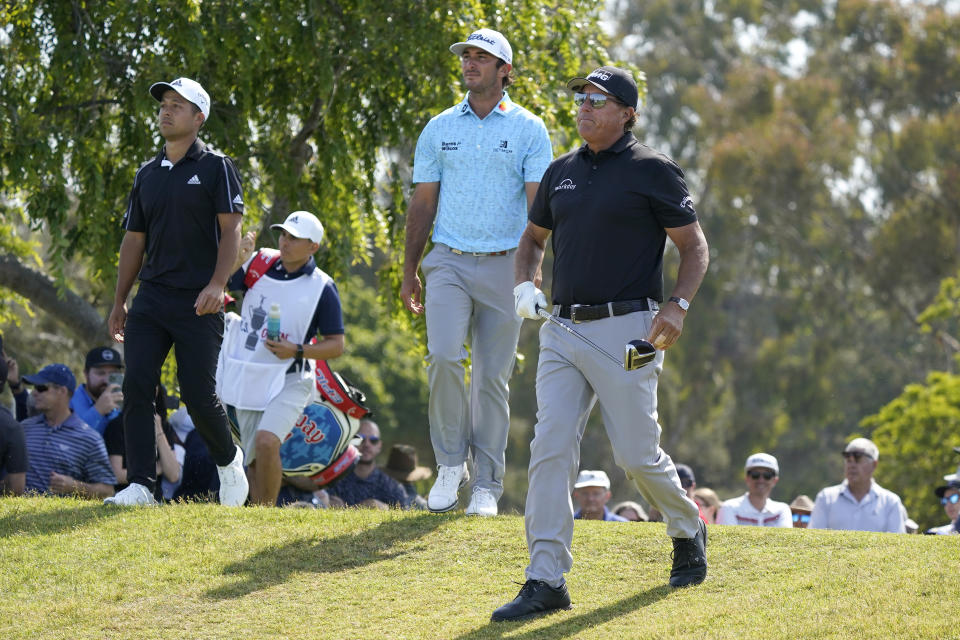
point(323, 443)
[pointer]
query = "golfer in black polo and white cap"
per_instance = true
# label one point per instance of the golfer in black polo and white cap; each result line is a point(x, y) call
point(609, 206)
point(181, 235)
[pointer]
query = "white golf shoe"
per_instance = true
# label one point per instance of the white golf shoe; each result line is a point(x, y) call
point(443, 495)
point(482, 503)
point(134, 495)
point(233, 482)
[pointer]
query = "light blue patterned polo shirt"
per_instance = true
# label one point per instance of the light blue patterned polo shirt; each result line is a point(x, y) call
point(482, 166)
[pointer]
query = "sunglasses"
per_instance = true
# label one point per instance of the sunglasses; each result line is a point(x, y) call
point(766, 475)
point(856, 455)
point(802, 517)
point(371, 439)
point(42, 388)
point(597, 100)
point(954, 499)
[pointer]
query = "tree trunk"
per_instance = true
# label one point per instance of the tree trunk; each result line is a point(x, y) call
point(76, 314)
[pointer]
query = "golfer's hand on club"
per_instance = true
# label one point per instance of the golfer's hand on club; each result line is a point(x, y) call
point(666, 327)
point(411, 291)
point(526, 299)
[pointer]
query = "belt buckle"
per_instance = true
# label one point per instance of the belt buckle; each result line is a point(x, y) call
point(573, 313)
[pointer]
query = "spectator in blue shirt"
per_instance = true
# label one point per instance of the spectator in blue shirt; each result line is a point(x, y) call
point(65, 455)
point(592, 492)
point(366, 485)
point(98, 401)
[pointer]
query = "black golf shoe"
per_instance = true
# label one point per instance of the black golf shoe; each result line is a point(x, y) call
point(689, 559)
point(536, 597)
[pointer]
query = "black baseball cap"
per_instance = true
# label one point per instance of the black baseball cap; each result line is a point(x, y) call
point(616, 81)
point(953, 484)
point(103, 356)
point(686, 476)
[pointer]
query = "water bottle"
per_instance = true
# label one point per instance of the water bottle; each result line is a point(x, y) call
point(273, 322)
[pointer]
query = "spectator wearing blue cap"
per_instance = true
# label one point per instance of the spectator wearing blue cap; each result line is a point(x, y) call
point(65, 455)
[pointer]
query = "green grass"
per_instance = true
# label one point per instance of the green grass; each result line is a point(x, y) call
point(76, 569)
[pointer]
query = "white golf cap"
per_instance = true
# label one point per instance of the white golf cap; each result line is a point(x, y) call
point(764, 461)
point(589, 478)
point(490, 41)
point(302, 224)
point(189, 89)
point(864, 446)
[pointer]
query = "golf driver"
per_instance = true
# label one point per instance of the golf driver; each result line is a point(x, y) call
point(637, 353)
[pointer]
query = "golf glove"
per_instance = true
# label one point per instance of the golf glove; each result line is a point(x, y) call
point(526, 299)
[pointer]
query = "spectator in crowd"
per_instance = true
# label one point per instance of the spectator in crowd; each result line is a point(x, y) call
point(801, 508)
point(631, 511)
point(755, 507)
point(169, 466)
point(13, 451)
point(949, 495)
point(366, 485)
point(591, 492)
point(859, 503)
point(65, 455)
point(476, 168)
point(99, 399)
point(21, 398)
point(402, 465)
point(709, 503)
point(687, 480)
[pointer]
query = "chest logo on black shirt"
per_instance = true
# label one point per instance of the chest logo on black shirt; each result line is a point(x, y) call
point(566, 183)
point(687, 203)
point(194, 180)
point(450, 146)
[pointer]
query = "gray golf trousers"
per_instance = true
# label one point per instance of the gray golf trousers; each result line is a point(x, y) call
point(571, 378)
point(472, 294)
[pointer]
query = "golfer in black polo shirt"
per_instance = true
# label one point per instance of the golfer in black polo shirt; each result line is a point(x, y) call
point(182, 236)
point(610, 206)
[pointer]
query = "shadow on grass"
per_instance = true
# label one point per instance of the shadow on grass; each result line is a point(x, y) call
point(567, 626)
point(53, 521)
point(275, 565)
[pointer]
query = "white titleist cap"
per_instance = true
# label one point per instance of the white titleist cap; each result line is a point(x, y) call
point(189, 89)
point(490, 41)
point(589, 478)
point(302, 224)
point(764, 461)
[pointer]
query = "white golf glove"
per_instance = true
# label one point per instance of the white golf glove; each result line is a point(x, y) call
point(526, 299)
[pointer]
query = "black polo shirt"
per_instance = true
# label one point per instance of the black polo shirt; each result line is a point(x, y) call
point(177, 207)
point(608, 212)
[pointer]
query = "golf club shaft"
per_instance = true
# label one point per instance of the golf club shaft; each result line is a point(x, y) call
point(544, 314)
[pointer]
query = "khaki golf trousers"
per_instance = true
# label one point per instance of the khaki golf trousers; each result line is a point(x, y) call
point(474, 294)
point(571, 378)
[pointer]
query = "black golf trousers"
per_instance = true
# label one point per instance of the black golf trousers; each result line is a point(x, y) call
point(159, 318)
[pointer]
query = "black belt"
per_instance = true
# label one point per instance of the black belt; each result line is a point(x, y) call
point(478, 253)
point(587, 312)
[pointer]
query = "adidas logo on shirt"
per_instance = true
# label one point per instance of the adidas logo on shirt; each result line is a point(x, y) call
point(194, 180)
point(238, 199)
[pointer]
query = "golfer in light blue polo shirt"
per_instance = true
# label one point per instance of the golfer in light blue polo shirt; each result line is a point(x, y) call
point(476, 169)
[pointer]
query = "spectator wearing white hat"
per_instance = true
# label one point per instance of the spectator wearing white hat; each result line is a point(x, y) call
point(859, 503)
point(755, 508)
point(592, 492)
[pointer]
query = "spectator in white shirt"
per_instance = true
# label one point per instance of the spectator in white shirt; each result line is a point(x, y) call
point(859, 503)
point(755, 508)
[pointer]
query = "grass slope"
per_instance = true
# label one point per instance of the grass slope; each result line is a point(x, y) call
point(76, 569)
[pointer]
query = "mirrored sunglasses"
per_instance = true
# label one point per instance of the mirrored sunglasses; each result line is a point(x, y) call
point(371, 439)
point(597, 100)
point(802, 517)
point(952, 499)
